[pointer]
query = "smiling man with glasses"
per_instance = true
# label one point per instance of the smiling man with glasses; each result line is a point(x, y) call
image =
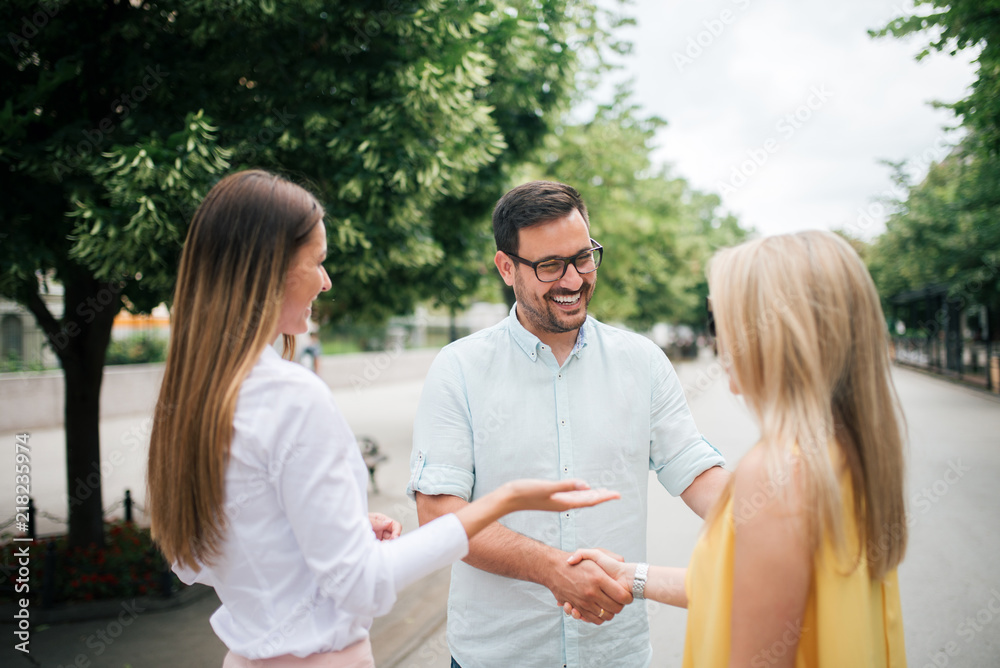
point(550, 392)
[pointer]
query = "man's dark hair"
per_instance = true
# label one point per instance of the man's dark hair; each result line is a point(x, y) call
point(530, 204)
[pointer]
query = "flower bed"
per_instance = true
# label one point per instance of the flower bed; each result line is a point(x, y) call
point(128, 565)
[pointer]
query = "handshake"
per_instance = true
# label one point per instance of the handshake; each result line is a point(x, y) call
point(596, 585)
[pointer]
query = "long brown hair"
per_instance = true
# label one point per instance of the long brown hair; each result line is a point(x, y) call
point(802, 329)
point(225, 311)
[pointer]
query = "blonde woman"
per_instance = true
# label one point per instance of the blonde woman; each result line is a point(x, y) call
point(256, 484)
point(796, 564)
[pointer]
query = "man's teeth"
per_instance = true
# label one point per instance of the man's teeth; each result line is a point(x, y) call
point(566, 299)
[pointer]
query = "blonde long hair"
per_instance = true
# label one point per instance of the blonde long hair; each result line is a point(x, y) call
point(802, 330)
point(225, 312)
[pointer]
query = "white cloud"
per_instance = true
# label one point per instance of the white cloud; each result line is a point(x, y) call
point(748, 70)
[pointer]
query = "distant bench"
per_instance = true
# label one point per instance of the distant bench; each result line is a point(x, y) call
point(372, 456)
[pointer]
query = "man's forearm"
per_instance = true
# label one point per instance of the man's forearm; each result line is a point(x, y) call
point(496, 549)
point(499, 550)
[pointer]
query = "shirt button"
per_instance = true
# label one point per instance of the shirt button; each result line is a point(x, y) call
point(565, 469)
point(560, 375)
point(567, 515)
point(562, 422)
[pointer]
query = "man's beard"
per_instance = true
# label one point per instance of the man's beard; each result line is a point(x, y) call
point(546, 317)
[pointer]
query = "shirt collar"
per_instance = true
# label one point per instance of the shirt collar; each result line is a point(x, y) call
point(529, 343)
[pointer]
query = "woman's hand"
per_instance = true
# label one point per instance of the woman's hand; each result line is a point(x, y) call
point(610, 563)
point(385, 527)
point(527, 494)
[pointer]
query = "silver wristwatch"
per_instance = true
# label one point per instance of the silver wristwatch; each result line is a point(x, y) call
point(639, 581)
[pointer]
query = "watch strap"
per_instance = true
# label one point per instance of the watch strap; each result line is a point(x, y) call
point(639, 581)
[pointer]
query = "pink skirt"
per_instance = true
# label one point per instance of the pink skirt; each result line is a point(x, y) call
point(358, 655)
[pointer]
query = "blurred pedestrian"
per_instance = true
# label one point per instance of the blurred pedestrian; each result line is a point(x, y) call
point(311, 353)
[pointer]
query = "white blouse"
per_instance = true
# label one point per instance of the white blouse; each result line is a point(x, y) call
point(300, 569)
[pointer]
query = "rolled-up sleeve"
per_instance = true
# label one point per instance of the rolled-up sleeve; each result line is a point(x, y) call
point(678, 453)
point(442, 460)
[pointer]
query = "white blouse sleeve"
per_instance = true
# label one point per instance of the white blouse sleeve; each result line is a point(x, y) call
point(317, 487)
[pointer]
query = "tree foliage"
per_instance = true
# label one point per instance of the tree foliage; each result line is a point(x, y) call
point(947, 229)
point(119, 115)
point(658, 232)
point(959, 25)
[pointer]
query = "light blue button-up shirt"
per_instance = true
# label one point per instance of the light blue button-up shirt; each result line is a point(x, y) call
point(497, 406)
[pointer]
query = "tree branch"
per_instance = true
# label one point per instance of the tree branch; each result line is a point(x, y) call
point(34, 303)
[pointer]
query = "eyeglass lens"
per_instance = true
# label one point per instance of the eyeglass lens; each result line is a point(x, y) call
point(553, 270)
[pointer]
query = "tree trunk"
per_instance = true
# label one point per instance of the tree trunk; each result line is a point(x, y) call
point(81, 342)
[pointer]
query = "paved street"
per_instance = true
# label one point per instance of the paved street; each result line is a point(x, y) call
point(949, 580)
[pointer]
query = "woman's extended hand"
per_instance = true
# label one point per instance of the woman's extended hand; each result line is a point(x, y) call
point(611, 563)
point(528, 494)
point(385, 527)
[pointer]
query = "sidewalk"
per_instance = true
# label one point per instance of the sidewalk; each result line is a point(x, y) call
point(377, 393)
point(948, 578)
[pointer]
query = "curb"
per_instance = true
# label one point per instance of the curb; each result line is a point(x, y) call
point(90, 610)
point(955, 382)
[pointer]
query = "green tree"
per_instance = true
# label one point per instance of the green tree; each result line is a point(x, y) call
point(947, 228)
point(657, 231)
point(945, 231)
point(532, 87)
point(958, 25)
point(385, 110)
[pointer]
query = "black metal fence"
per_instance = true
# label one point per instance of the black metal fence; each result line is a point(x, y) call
point(51, 559)
point(970, 361)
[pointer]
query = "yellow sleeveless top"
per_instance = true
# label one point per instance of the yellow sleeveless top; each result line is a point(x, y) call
point(849, 622)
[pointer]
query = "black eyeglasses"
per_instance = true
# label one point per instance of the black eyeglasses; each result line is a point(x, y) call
point(710, 321)
point(553, 269)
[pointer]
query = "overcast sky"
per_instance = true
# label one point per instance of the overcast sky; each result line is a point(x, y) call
point(785, 108)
